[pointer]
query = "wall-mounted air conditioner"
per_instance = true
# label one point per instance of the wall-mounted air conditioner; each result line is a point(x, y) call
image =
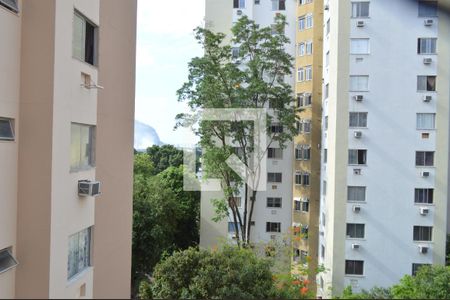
point(358, 134)
point(425, 174)
point(239, 12)
point(356, 246)
point(423, 249)
point(357, 171)
point(424, 211)
point(88, 188)
point(427, 98)
point(427, 61)
point(428, 22)
point(356, 208)
point(360, 24)
point(358, 98)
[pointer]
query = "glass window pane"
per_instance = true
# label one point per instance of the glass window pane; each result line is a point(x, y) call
point(427, 8)
point(78, 39)
point(6, 129)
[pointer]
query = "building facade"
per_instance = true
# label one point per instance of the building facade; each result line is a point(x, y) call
point(67, 71)
point(306, 162)
point(385, 141)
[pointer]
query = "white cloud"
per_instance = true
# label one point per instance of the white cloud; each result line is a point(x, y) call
point(144, 55)
point(173, 17)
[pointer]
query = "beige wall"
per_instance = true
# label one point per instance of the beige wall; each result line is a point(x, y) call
point(9, 107)
point(115, 125)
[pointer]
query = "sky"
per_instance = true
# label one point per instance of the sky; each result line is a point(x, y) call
point(165, 45)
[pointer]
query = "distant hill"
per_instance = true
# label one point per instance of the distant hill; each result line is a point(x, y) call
point(144, 136)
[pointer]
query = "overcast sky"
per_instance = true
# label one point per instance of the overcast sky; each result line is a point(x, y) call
point(165, 45)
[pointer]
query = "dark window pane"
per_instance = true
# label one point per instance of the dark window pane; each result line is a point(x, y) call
point(427, 8)
point(10, 4)
point(6, 129)
point(7, 261)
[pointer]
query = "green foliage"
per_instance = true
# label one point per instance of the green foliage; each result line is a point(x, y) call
point(164, 156)
point(430, 282)
point(230, 273)
point(145, 290)
point(374, 293)
point(254, 79)
point(142, 165)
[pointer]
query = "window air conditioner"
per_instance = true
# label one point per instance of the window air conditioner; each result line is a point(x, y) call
point(427, 60)
point(428, 22)
point(358, 134)
point(357, 171)
point(358, 98)
point(424, 211)
point(88, 188)
point(427, 98)
point(327, 7)
point(239, 12)
point(423, 249)
point(355, 246)
point(356, 208)
point(360, 24)
point(274, 212)
point(425, 174)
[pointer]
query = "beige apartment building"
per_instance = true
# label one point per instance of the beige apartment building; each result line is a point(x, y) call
point(67, 83)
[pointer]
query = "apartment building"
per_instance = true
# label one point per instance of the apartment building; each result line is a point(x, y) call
point(385, 159)
point(306, 162)
point(66, 135)
point(273, 208)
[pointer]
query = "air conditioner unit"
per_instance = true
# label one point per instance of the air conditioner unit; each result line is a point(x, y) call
point(355, 246)
point(360, 24)
point(427, 60)
point(425, 174)
point(357, 171)
point(358, 134)
point(274, 212)
point(424, 211)
point(423, 249)
point(356, 208)
point(428, 22)
point(358, 98)
point(88, 188)
point(239, 12)
point(326, 7)
point(427, 98)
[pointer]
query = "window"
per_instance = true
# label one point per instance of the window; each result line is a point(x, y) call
point(426, 121)
point(356, 193)
point(304, 205)
point(416, 267)
point(359, 83)
point(360, 9)
point(304, 100)
point(309, 48)
point(273, 227)
point(79, 252)
point(257, 1)
point(354, 267)
point(232, 228)
point(237, 200)
point(297, 205)
point(306, 126)
point(235, 52)
point(6, 129)
point(325, 122)
point(274, 177)
point(274, 202)
point(84, 39)
point(303, 256)
point(423, 196)
point(423, 233)
point(301, 23)
point(10, 5)
point(238, 3)
point(308, 100)
point(424, 158)
point(301, 49)
point(326, 91)
point(82, 147)
point(276, 128)
point(303, 152)
point(325, 156)
point(426, 45)
point(357, 157)
point(7, 261)
point(426, 83)
point(324, 187)
point(298, 178)
point(359, 46)
point(328, 27)
point(300, 75)
point(428, 8)
point(305, 179)
point(309, 21)
point(308, 73)
point(302, 178)
point(355, 231)
point(358, 119)
point(322, 252)
point(278, 4)
point(302, 2)
point(327, 59)
point(276, 153)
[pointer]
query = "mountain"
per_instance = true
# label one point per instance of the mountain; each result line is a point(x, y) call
point(144, 136)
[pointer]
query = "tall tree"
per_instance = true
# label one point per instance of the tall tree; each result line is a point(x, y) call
point(254, 78)
point(164, 156)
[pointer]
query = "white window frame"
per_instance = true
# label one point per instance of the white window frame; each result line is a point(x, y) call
point(10, 124)
point(309, 23)
point(308, 73)
point(359, 119)
point(359, 83)
point(357, 9)
point(426, 46)
point(356, 47)
point(425, 121)
point(300, 74)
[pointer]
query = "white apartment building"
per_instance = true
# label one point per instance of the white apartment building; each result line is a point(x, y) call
point(273, 208)
point(385, 141)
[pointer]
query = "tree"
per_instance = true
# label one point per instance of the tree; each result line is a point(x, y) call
point(253, 79)
point(164, 156)
point(188, 220)
point(374, 293)
point(430, 282)
point(142, 165)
